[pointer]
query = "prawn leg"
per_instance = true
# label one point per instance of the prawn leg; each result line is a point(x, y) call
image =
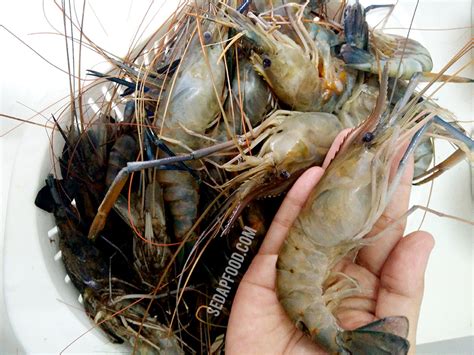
point(440, 168)
point(131, 87)
point(119, 182)
point(454, 132)
point(452, 160)
point(374, 7)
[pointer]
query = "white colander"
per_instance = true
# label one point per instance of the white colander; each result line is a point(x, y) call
point(43, 308)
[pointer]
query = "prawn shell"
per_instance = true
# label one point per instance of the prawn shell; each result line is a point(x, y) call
point(301, 140)
point(181, 195)
point(195, 102)
point(124, 150)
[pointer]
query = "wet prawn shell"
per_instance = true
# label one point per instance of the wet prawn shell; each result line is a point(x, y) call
point(194, 103)
point(299, 288)
point(181, 196)
point(87, 151)
point(255, 92)
point(339, 208)
point(250, 93)
point(301, 139)
point(359, 106)
point(416, 56)
point(124, 150)
point(292, 77)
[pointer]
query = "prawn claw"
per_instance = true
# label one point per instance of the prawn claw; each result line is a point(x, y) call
point(356, 29)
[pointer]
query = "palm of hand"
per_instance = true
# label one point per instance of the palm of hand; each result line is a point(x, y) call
point(389, 272)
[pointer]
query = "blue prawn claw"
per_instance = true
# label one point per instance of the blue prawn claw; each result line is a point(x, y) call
point(356, 29)
point(402, 56)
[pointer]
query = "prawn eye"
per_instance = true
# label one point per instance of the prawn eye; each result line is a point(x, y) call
point(368, 137)
point(207, 37)
point(285, 174)
point(267, 63)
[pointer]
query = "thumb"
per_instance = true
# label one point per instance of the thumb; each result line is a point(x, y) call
point(402, 280)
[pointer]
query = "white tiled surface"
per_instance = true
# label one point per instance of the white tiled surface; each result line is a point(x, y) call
point(447, 311)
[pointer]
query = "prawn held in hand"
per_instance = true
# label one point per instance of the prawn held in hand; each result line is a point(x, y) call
point(339, 212)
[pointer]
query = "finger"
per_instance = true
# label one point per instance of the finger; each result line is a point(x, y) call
point(402, 279)
point(262, 271)
point(289, 210)
point(374, 255)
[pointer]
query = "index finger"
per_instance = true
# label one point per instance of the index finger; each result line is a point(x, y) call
point(289, 210)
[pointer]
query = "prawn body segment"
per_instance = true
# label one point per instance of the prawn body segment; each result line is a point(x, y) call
point(416, 58)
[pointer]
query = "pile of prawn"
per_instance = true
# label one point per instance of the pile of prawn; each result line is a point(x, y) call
point(160, 175)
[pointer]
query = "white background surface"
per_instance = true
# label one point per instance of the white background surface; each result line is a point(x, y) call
point(26, 80)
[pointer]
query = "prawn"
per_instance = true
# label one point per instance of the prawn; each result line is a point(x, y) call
point(193, 105)
point(356, 182)
point(290, 143)
point(120, 319)
point(150, 251)
point(89, 271)
point(192, 102)
point(292, 71)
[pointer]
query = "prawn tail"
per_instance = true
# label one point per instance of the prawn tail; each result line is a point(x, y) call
point(384, 336)
point(181, 195)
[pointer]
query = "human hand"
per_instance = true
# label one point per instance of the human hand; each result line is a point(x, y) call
point(390, 273)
